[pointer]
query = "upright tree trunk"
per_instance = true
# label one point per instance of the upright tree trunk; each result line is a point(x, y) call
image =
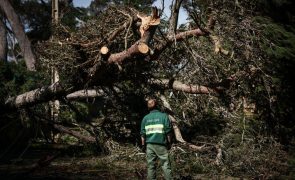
point(54, 72)
point(174, 17)
point(55, 105)
point(3, 40)
point(18, 30)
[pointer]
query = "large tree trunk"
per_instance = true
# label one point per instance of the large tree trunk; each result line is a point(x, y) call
point(3, 39)
point(17, 28)
point(39, 95)
point(53, 91)
point(55, 105)
point(174, 18)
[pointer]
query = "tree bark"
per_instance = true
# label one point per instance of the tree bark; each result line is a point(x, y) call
point(39, 95)
point(53, 91)
point(121, 56)
point(3, 40)
point(178, 37)
point(84, 94)
point(146, 37)
point(176, 129)
point(45, 94)
point(17, 28)
point(177, 132)
point(134, 50)
point(67, 130)
point(179, 86)
point(55, 105)
point(174, 18)
point(76, 134)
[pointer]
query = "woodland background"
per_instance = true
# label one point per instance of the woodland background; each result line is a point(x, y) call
point(70, 109)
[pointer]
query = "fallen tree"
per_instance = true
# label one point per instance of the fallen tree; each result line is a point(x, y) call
point(87, 63)
point(55, 91)
point(216, 80)
point(51, 92)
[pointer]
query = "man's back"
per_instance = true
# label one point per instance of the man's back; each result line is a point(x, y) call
point(155, 126)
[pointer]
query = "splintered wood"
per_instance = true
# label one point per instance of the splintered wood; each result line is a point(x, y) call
point(147, 21)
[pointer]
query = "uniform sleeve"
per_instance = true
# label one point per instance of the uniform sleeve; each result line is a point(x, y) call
point(167, 124)
point(142, 128)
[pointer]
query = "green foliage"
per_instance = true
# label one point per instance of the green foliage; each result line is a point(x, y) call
point(98, 6)
point(291, 163)
point(186, 164)
point(281, 11)
point(279, 42)
point(209, 124)
point(259, 158)
point(67, 139)
point(16, 127)
point(15, 79)
point(37, 17)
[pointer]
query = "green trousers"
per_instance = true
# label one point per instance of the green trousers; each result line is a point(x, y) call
point(154, 152)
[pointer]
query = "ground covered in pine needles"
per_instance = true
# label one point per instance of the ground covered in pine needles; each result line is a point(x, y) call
point(122, 162)
point(125, 161)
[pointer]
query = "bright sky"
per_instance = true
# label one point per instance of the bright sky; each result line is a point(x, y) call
point(82, 3)
point(167, 3)
point(182, 14)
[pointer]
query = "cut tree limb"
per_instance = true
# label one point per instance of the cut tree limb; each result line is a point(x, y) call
point(104, 50)
point(148, 27)
point(143, 48)
point(146, 37)
point(121, 56)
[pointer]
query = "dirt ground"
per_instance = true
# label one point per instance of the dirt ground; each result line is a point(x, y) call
point(123, 163)
point(74, 168)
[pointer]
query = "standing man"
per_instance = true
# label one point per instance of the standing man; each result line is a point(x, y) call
point(156, 138)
